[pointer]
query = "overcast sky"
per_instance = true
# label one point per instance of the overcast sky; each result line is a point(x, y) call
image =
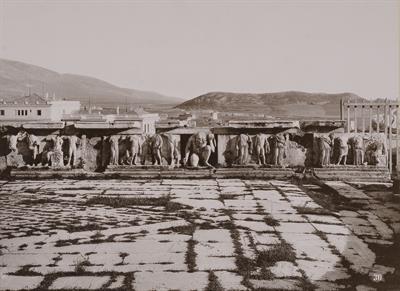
point(187, 48)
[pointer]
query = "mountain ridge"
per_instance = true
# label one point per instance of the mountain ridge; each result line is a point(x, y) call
point(16, 77)
point(286, 103)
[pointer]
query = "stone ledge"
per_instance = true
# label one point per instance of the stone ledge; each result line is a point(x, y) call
point(153, 172)
point(353, 174)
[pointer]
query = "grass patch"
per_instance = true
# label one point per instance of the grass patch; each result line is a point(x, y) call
point(279, 252)
point(222, 197)
point(264, 274)
point(84, 227)
point(184, 229)
point(26, 271)
point(123, 255)
point(118, 202)
point(213, 283)
point(245, 265)
point(22, 247)
point(66, 242)
point(128, 282)
point(97, 237)
point(305, 283)
point(321, 234)
point(316, 211)
point(271, 221)
point(174, 206)
point(190, 256)
point(81, 264)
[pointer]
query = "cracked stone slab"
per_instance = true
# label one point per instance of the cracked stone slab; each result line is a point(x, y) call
point(311, 246)
point(347, 191)
point(153, 238)
point(22, 259)
point(327, 219)
point(8, 282)
point(218, 235)
point(203, 203)
point(322, 270)
point(325, 286)
point(265, 238)
point(285, 269)
point(215, 263)
point(283, 217)
point(276, 284)
point(355, 251)
point(289, 227)
point(79, 282)
point(214, 249)
point(230, 280)
point(258, 226)
point(117, 282)
point(146, 281)
point(332, 228)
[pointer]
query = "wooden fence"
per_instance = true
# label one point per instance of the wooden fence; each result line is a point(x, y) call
point(375, 117)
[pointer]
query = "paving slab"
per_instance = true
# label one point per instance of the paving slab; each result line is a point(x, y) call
point(285, 269)
point(230, 281)
point(322, 270)
point(118, 282)
point(259, 226)
point(146, 281)
point(276, 284)
point(8, 282)
point(331, 228)
point(218, 235)
point(79, 282)
point(154, 242)
point(289, 227)
point(360, 256)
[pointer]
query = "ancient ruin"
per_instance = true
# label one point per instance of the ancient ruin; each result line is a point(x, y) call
point(292, 146)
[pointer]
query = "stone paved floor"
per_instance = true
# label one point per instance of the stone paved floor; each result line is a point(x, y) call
point(226, 234)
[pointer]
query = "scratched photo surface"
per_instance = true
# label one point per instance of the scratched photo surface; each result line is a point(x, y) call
point(199, 145)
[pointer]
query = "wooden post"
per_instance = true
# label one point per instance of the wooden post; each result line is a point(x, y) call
point(397, 138)
point(355, 118)
point(370, 119)
point(377, 118)
point(341, 109)
point(363, 118)
point(390, 139)
point(385, 115)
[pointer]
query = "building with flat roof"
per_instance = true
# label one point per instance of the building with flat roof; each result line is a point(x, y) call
point(36, 108)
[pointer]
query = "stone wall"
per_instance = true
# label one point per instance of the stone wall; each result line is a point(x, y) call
point(97, 149)
point(92, 151)
point(229, 153)
point(371, 148)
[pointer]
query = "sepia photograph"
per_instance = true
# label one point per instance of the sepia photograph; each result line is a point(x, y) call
point(209, 145)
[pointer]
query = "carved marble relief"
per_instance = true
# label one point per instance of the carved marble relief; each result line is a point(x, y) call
point(355, 149)
point(199, 148)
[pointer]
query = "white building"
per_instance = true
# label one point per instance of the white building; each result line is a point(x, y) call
point(36, 108)
point(137, 121)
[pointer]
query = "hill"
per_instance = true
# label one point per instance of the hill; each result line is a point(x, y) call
point(281, 104)
point(15, 77)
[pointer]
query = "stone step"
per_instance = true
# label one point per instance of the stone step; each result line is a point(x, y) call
point(51, 174)
point(346, 191)
point(155, 173)
point(372, 174)
point(353, 168)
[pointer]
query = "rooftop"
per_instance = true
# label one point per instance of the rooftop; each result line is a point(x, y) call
point(33, 99)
